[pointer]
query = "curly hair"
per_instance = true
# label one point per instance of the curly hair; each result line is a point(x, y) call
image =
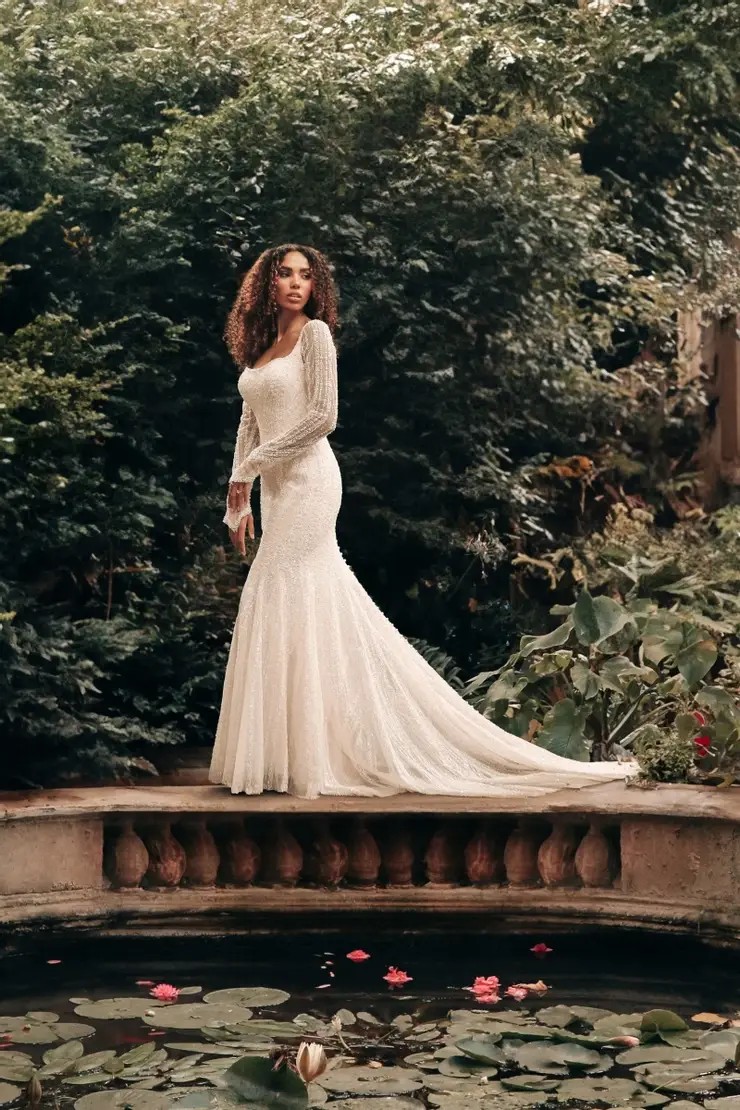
point(251, 326)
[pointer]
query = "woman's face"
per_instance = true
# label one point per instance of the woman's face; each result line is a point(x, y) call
point(293, 284)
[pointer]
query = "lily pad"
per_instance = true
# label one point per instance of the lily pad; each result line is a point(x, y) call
point(73, 1030)
point(195, 1015)
point(16, 1067)
point(680, 1083)
point(464, 1066)
point(611, 1091)
point(559, 1016)
point(44, 1017)
point(664, 1053)
point(560, 1059)
point(482, 1049)
point(530, 1083)
point(123, 1100)
point(379, 1104)
point(8, 1093)
point(118, 1008)
point(247, 996)
point(256, 1081)
point(662, 1021)
point(371, 1081)
point(730, 1102)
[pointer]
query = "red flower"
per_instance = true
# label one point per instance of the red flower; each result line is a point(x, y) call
point(357, 955)
point(540, 949)
point(702, 744)
point(698, 716)
point(396, 978)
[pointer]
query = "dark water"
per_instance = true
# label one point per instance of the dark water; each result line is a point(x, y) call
point(623, 971)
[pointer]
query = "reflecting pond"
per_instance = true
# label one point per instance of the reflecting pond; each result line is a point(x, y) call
point(602, 1018)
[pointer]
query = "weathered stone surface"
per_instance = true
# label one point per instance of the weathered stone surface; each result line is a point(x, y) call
point(39, 856)
point(694, 860)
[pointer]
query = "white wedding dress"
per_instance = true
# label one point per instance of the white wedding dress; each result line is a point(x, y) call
point(322, 694)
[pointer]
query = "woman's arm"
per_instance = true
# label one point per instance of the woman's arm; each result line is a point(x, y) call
point(320, 363)
point(247, 437)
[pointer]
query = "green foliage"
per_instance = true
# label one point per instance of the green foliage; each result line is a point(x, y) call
point(258, 1081)
point(515, 199)
point(664, 754)
point(596, 681)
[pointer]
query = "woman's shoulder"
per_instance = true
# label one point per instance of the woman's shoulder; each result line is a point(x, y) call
point(316, 327)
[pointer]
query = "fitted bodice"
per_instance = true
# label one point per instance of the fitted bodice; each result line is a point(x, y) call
point(276, 393)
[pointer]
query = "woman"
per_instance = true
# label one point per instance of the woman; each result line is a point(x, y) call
point(322, 694)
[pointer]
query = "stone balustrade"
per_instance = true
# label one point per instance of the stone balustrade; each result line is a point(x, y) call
point(205, 852)
point(668, 857)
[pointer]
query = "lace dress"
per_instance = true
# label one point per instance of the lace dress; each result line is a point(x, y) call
point(322, 694)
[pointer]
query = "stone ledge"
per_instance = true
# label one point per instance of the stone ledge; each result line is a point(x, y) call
point(683, 801)
point(666, 857)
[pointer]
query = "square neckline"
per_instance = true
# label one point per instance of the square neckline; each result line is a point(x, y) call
point(277, 358)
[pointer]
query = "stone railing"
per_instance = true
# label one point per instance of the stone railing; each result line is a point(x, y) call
point(668, 856)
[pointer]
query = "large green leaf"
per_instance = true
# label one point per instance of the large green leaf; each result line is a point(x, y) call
point(556, 638)
point(256, 1081)
point(597, 619)
point(563, 730)
point(696, 656)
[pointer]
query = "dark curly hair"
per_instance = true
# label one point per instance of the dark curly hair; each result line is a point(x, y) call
point(251, 326)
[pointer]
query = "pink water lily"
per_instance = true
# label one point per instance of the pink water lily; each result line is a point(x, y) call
point(396, 978)
point(517, 993)
point(540, 949)
point(165, 992)
point(357, 955)
point(485, 988)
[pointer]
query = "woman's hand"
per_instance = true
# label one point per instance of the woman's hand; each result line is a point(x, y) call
point(237, 538)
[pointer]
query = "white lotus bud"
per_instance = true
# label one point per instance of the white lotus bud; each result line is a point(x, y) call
point(310, 1061)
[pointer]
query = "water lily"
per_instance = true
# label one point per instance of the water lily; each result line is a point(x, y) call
point(485, 988)
point(532, 988)
point(540, 949)
point(310, 1061)
point(34, 1092)
point(165, 992)
point(517, 993)
point(357, 955)
point(396, 978)
point(625, 1041)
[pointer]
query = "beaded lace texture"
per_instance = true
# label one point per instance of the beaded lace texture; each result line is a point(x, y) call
point(322, 694)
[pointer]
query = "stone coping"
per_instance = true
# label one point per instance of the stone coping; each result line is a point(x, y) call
point(612, 800)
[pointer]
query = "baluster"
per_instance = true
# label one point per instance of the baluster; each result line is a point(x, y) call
point(556, 858)
point(166, 856)
point(202, 858)
point(520, 853)
point(597, 859)
point(240, 855)
point(126, 857)
point(282, 856)
point(327, 858)
point(398, 856)
point(364, 856)
point(442, 858)
point(484, 856)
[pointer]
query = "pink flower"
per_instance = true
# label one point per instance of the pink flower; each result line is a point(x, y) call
point(396, 978)
point(540, 949)
point(357, 955)
point(144, 982)
point(531, 988)
point(518, 993)
point(163, 992)
point(485, 988)
point(627, 1042)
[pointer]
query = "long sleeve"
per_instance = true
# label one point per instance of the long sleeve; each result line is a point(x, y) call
point(247, 437)
point(320, 365)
